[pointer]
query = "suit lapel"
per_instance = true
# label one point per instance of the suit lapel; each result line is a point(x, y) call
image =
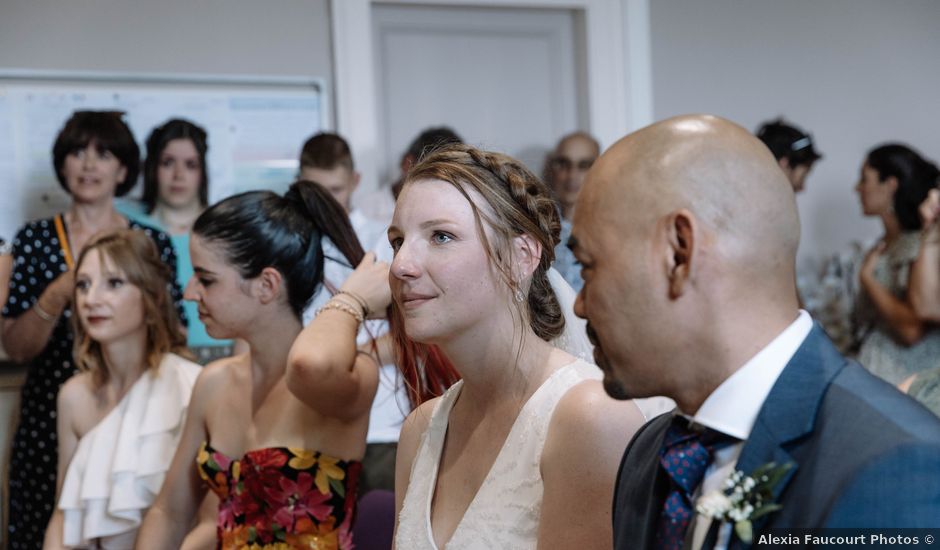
point(642, 486)
point(789, 413)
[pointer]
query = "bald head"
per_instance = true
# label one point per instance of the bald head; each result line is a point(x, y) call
point(568, 164)
point(687, 233)
point(578, 138)
point(716, 170)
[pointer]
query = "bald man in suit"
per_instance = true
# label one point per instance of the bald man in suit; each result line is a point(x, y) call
point(687, 233)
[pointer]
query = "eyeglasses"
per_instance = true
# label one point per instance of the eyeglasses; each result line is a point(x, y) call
point(564, 164)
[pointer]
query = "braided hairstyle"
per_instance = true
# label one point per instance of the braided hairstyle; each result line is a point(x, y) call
point(517, 203)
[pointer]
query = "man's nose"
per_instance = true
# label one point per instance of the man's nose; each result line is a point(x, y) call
point(579, 305)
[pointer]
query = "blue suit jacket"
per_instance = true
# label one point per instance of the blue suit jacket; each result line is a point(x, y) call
point(864, 454)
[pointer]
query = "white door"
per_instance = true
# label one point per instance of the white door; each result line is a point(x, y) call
point(505, 79)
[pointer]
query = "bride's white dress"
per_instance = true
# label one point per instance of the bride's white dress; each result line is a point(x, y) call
point(505, 511)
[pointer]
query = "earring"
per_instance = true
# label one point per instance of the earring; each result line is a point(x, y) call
point(519, 296)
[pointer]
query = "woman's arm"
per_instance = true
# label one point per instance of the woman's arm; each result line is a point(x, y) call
point(6, 269)
point(69, 407)
point(924, 289)
point(408, 441)
point(171, 516)
point(384, 349)
point(586, 439)
point(325, 369)
point(898, 314)
point(203, 536)
point(25, 336)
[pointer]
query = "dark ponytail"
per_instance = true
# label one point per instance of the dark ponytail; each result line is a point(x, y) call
point(916, 176)
point(260, 229)
point(329, 217)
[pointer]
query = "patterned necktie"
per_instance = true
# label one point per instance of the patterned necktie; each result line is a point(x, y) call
point(685, 455)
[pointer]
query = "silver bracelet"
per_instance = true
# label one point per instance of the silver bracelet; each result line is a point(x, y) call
point(43, 314)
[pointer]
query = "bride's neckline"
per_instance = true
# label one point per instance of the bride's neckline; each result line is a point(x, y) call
point(499, 455)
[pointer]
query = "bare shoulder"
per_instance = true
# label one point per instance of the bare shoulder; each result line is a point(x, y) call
point(77, 392)
point(408, 442)
point(587, 418)
point(224, 369)
point(417, 422)
point(587, 400)
point(217, 376)
point(413, 429)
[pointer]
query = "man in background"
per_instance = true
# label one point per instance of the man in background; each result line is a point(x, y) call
point(793, 148)
point(380, 203)
point(564, 173)
point(327, 160)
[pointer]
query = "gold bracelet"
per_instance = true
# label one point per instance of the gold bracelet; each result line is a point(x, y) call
point(340, 305)
point(43, 314)
point(359, 300)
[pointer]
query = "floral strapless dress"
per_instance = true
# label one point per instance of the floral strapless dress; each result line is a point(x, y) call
point(281, 498)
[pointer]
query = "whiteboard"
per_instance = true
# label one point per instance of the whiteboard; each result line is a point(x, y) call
point(256, 128)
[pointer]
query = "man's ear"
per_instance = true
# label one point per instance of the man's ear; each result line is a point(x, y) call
point(680, 234)
point(268, 285)
point(527, 253)
point(784, 163)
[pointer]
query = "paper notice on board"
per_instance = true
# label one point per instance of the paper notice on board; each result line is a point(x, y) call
point(8, 207)
point(254, 135)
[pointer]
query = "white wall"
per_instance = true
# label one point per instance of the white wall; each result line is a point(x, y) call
point(852, 72)
point(239, 37)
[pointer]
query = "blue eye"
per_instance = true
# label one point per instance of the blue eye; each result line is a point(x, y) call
point(115, 282)
point(439, 237)
point(81, 285)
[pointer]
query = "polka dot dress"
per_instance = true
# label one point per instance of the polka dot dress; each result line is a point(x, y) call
point(38, 260)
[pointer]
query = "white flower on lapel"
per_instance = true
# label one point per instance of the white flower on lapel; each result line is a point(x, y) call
point(744, 498)
point(713, 505)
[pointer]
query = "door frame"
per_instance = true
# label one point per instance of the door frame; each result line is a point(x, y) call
point(618, 57)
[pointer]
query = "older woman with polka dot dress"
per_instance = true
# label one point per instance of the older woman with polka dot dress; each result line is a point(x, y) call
point(95, 158)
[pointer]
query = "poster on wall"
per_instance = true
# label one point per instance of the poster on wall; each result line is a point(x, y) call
point(255, 130)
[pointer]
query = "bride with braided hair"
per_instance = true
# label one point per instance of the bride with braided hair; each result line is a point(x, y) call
point(527, 437)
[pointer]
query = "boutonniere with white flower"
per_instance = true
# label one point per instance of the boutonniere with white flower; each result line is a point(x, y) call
point(744, 498)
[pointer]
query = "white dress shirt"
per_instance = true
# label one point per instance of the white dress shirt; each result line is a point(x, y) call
point(732, 409)
point(372, 234)
point(390, 405)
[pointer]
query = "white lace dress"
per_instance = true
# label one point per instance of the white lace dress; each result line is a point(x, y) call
point(120, 464)
point(505, 511)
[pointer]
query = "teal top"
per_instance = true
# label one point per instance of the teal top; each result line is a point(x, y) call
point(196, 335)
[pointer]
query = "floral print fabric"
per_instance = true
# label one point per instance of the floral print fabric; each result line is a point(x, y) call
point(281, 498)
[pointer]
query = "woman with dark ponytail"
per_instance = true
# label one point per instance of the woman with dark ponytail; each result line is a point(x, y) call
point(277, 433)
point(500, 458)
point(895, 342)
